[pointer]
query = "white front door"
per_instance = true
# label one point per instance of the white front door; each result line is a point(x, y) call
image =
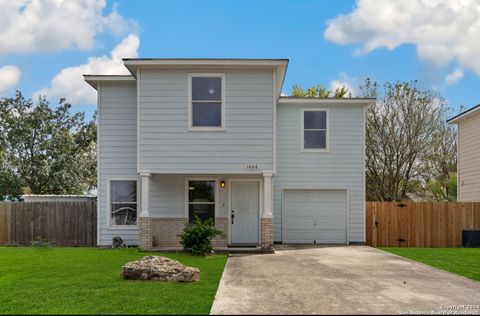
point(244, 212)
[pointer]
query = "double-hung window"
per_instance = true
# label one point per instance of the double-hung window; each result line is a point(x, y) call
point(206, 102)
point(315, 130)
point(201, 199)
point(123, 202)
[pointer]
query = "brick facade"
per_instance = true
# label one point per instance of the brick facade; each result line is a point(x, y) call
point(164, 232)
point(222, 224)
point(267, 233)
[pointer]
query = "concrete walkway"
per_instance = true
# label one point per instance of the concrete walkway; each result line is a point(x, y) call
point(337, 280)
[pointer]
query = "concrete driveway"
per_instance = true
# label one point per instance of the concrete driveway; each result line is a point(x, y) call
point(338, 280)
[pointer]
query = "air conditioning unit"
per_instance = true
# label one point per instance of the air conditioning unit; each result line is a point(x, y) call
point(471, 238)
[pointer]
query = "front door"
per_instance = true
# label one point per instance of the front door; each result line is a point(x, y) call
point(244, 212)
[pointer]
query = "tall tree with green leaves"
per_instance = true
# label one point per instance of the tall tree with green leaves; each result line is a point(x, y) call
point(11, 186)
point(47, 150)
point(410, 151)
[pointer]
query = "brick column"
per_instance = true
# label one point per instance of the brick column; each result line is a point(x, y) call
point(145, 236)
point(267, 215)
point(267, 233)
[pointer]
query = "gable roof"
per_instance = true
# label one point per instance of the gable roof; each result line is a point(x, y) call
point(464, 114)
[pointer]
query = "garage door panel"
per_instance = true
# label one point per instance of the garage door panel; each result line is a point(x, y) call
point(315, 216)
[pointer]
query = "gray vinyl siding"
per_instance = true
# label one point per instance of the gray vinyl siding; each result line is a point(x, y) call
point(469, 159)
point(118, 149)
point(341, 167)
point(166, 145)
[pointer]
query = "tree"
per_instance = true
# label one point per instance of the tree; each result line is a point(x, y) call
point(10, 183)
point(439, 165)
point(48, 151)
point(319, 91)
point(409, 147)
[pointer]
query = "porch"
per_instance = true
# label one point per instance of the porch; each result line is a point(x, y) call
point(239, 204)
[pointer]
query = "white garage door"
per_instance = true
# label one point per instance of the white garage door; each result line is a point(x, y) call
point(315, 216)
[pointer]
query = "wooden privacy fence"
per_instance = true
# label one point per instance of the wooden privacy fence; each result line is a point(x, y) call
point(419, 224)
point(62, 223)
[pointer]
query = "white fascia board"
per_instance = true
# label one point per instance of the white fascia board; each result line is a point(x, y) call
point(93, 80)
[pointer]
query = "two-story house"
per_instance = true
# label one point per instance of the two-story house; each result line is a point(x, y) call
point(214, 138)
point(468, 154)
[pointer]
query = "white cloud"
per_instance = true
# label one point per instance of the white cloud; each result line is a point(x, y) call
point(55, 25)
point(454, 77)
point(69, 81)
point(9, 77)
point(344, 81)
point(443, 31)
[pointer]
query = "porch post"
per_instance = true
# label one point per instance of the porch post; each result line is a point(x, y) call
point(145, 176)
point(267, 215)
point(145, 237)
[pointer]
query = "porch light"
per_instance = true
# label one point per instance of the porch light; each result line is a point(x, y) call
point(222, 184)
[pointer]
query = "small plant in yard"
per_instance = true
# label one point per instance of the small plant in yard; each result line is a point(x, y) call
point(197, 237)
point(42, 243)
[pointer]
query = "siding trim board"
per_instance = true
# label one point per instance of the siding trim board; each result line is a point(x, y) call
point(99, 175)
point(275, 99)
point(139, 81)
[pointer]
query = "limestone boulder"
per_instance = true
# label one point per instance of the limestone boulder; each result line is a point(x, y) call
point(160, 269)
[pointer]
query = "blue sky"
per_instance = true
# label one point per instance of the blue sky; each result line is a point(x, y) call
point(296, 30)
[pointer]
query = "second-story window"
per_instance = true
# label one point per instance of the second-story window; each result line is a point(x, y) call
point(315, 130)
point(206, 106)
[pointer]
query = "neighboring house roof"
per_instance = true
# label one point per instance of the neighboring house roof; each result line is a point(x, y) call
point(133, 63)
point(464, 115)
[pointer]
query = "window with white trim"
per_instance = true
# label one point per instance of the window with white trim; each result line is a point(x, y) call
point(123, 202)
point(206, 101)
point(315, 131)
point(201, 200)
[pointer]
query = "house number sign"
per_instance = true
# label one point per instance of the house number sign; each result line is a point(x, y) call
point(251, 166)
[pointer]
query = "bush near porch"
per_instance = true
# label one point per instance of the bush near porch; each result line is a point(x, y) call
point(88, 281)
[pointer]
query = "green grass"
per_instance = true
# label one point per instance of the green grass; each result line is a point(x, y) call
point(462, 261)
point(88, 281)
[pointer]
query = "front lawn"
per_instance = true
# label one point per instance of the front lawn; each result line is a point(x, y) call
point(462, 261)
point(88, 281)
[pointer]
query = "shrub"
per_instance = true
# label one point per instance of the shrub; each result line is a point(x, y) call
point(197, 237)
point(42, 243)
